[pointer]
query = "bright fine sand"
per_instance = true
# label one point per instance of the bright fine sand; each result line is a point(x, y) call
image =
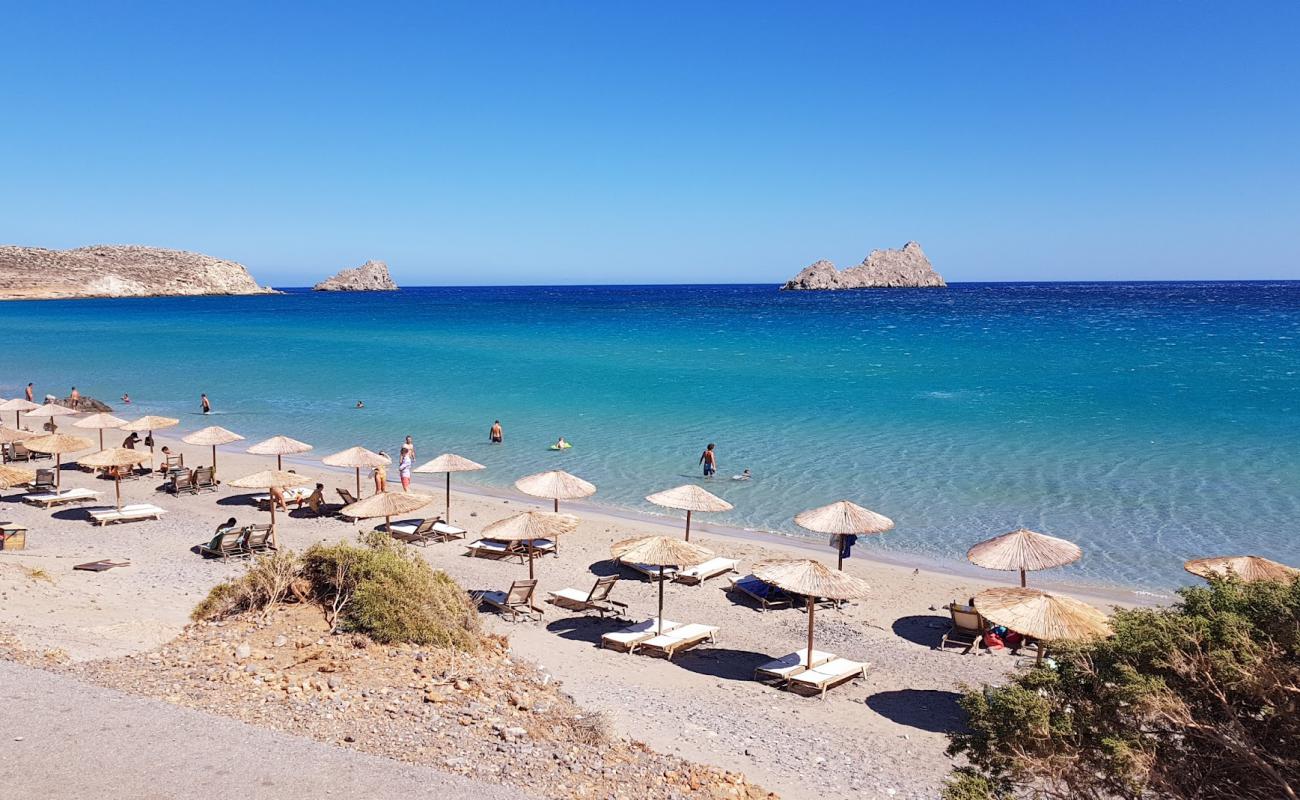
point(879, 737)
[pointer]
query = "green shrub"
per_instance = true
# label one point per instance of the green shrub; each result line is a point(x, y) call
point(1198, 700)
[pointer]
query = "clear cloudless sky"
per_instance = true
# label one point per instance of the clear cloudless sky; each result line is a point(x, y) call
point(587, 142)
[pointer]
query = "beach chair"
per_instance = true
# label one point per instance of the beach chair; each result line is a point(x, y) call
point(824, 676)
point(133, 513)
point(494, 548)
point(632, 635)
point(783, 668)
point(51, 499)
point(44, 481)
point(417, 531)
point(348, 500)
point(702, 572)
point(765, 594)
point(651, 572)
point(596, 600)
point(967, 629)
point(229, 542)
point(683, 637)
point(17, 452)
point(445, 532)
point(205, 479)
point(175, 461)
point(517, 602)
point(182, 482)
point(259, 539)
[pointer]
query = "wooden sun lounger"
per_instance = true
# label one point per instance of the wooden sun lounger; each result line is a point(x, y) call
point(647, 570)
point(517, 602)
point(765, 594)
point(230, 543)
point(182, 481)
point(596, 600)
point(967, 629)
point(133, 513)
point(493, 548)
point(786, 666)
point(259, 538)
point(709, 569)
point(832, 673)
point(291, 495)
point(631, 636)
point(50, 499)
point(683, 637)
point(205, 479)
point(423, 531)
point(44, 481)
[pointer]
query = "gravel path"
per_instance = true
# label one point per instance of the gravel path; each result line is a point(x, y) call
point(71, 740)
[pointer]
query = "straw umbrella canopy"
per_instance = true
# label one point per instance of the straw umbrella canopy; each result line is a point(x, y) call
point(1247, 568)
point(449, 463)
point(11, 435)
point(270, 479)
point(100, 422)
point(386, 505)
point(116, 457)
point(661, 551)
point(1041, 615)
point(18, 405)
point(1024, 550)
point(58, 444)
point(356, 457)
point(212, 435)
point(150, 423)
point(843, 518)
point(279, 446)
point(812, 579)
point(557, 485)
point(50, 411)
point(13, 476)
point(689, 498)
point(530, 525)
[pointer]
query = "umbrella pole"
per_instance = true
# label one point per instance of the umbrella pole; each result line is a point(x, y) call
point(449, 497)
point(839, 552)
point(273, 542)
point(101, 438)
point(688, 524)
point(358, 483)
point(214, 461)
point(557, 505)
point(660, 620)
point(812, 606)
point(1038, 662)
point(530, 559)
point(117, 479)
point(279, 465)
point(58, 471)
point(1022, 579)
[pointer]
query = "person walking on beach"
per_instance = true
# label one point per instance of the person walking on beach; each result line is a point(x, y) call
point(31, 390)
point(710, 461)
point(74, 396)
point(130, 441)
point(495, 436)
point(380, 474)
point(205, 404)
point(404, 463)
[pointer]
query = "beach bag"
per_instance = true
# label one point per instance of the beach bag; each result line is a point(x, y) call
point(992, 641)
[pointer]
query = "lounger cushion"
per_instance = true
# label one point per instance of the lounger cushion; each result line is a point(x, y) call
point(755, 586)
point(682, 633)
point(443, 529)
point(651, 571)
point(490, 545)
point(794, 662)
point(714, 566)
point(407, 528)
point(571, 594)
point(830, 672)
point(639, 632)
point(66, 494)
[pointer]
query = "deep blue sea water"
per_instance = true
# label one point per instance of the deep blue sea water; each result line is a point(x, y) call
point(1149, 422)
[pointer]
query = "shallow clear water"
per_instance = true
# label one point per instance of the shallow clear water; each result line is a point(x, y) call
point(1148, 422)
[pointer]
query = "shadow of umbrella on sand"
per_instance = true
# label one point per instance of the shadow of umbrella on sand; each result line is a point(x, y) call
point(689, 497)
point(660, 551)
point(115, 458)
point(57, 444)
point(449, 463)
point(528, 526)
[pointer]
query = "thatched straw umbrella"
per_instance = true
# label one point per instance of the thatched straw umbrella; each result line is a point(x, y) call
point(530, 525)
point(115, 458)
point(356, 457)
point(213, 436)
point(386, 505)
point(270, 479)
point(557, 485)
point(661, 551)
point(689, 498)
point(14, 476)
point(50, 411)
point(58, 444)
point(812, 579)
point(11, 435)
point(150, 423)
point(1041, 615)
point(449, 463)
point(1024, 550)
point(99, 422)
point(18, 405)
point(279, 446)
point(1247, 568)
point(843, 518)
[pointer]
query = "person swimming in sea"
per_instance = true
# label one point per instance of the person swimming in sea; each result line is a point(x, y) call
point(743, 476)
point(360, 404)
point(126, 399)
point(561, 445)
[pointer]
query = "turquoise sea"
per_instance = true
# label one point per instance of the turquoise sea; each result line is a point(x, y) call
point(1149, 422)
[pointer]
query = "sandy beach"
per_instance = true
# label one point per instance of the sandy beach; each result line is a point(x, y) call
point(878, 737)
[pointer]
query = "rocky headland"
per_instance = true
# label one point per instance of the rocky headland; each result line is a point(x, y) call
point(34, 273)
point(371, 276)
point(905, 268)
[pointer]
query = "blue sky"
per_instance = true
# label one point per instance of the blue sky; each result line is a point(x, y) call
point(660, 142)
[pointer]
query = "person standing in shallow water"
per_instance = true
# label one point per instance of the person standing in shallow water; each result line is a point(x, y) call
point(710, 461)
point(404, 463)
point(205, 404)
point(31, 390)
point(495, 436)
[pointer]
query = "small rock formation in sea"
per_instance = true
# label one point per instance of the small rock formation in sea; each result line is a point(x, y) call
point(371, 276)
point(883, 268)
point(34, 273)
point(87, 404)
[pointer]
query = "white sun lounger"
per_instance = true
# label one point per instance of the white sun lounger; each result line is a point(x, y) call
point(49, 499)
point(103, 516)
point(682, 637)
point(709, 569)
point(832, 673)
point(792, 664)
point(649, 571)
point(629, 637)
point(493, 547)
point(420, 531)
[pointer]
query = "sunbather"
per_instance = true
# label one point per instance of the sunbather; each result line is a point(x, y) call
point(277, 499)
point(314, 500)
